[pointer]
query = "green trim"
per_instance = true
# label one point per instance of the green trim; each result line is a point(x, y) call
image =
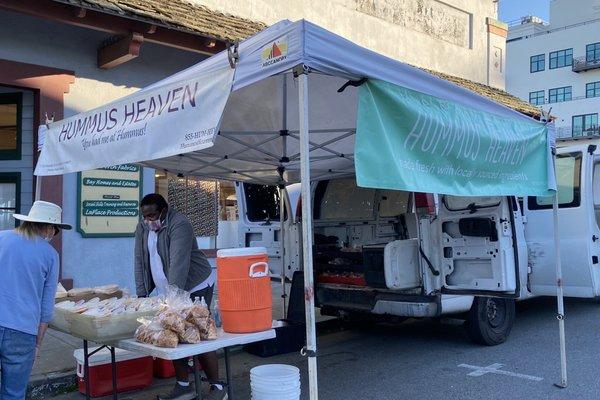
point(80, 204)
point(13, 177)
point(14, 98)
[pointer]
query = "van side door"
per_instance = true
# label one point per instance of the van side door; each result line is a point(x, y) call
point(576, 211)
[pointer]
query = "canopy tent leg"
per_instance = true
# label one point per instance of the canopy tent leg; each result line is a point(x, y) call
point(307, 236)
point(38, 188)
point(282, 192)
point(559, 294)
point(282, 239)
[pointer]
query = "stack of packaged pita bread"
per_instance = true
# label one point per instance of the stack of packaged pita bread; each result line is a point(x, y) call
point(179, 321)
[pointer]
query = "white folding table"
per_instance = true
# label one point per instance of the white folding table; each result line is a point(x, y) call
point(225, 341)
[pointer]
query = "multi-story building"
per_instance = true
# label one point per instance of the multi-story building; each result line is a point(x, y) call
point(555, 65)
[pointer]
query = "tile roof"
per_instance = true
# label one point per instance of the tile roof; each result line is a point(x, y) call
point(177, 14)
point(497, 95)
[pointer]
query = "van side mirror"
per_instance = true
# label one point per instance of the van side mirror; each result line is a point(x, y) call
point(478, 227)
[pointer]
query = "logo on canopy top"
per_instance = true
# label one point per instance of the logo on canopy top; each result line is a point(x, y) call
point(274, 52)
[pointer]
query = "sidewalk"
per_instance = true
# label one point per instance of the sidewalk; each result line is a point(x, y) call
point(55, 372)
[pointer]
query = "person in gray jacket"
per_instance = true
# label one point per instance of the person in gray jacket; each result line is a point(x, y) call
point(166, 253)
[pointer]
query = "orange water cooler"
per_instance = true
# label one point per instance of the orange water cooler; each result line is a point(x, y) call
point(244, 288)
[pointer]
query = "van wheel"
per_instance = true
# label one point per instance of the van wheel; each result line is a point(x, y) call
point(490, 320)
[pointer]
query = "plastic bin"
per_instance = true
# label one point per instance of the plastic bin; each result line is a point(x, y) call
point(244, 289)
point(134, 371)
point(163, 368)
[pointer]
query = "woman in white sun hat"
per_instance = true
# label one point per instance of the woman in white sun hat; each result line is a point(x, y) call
point(29, 276)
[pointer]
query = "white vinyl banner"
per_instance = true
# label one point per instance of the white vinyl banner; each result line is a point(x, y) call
point(166, 120)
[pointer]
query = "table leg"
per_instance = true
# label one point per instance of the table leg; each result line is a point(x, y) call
point(197, 380)
point(113, 365)
point(228, 374)
point(86, 369)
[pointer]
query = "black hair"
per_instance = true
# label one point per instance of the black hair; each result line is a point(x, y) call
point(156, 199)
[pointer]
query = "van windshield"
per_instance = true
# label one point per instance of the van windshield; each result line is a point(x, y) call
point(262, 202)
point(461, 203)
point(341, 199)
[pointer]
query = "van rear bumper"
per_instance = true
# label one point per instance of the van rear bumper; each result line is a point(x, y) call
point(335, 298)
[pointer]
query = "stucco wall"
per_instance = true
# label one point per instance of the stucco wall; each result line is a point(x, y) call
point(30, 40)
point(449, 36)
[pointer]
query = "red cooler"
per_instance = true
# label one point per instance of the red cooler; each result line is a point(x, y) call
point(244, 286)
point(134, 371)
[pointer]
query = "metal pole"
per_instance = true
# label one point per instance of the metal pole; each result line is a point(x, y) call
point(86, 369)
point(282, 192)
point(311, 337)
point(559, 292)
point(38, 188)
point(282, 238)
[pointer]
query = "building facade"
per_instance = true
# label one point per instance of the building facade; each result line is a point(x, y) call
point(555, 65)
point(60, 58)
point(457, 37)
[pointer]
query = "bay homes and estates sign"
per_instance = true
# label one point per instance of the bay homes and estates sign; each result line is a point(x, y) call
point(108, 201)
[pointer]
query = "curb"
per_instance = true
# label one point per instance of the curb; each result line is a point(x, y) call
point(51, 384)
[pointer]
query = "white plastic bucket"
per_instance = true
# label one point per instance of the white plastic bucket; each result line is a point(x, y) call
point(283, 384)
point(275, 382)
point(271, 396)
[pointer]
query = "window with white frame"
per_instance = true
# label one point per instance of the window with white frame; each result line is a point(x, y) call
point(561, 58)
point(560, 94)
point(536, 98)
point(585, 124)
point(592, 52)
point(592, 89)
point(537, 63)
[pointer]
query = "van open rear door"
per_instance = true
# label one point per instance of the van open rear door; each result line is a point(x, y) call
point(476, 246)
point(259, 225)
point(259, 222)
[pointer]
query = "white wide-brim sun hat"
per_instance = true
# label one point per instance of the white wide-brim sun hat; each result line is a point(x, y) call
point(45, 213)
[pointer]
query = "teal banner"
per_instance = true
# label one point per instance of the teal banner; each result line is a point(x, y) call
point(406, 140)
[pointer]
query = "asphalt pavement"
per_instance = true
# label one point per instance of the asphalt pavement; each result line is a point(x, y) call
point(426, 359)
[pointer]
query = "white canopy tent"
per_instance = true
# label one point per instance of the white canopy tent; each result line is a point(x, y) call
point(270, 132)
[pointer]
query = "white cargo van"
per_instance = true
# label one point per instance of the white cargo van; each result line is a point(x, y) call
point(384, 252)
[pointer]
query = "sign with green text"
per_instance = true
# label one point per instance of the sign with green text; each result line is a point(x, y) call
point(109, 200)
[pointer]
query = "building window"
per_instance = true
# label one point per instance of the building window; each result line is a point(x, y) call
point(584, 125)
point(592, 89)
point(592, 52)
point(537, 63)
point(11, 106)
point(561, 58)
point(536, 98)
point(10, 198)
point(557, 95)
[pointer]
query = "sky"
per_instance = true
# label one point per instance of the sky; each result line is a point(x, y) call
point(510, 10)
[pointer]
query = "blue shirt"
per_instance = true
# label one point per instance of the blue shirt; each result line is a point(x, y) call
point(28, 279)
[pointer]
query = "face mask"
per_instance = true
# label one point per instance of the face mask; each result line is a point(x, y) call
point(154, 225)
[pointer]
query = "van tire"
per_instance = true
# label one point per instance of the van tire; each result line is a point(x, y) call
point(490, 320)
